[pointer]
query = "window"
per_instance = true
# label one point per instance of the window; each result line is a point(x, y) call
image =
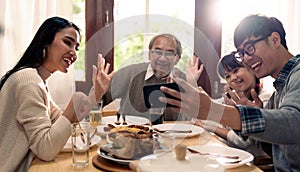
point(79, 18)
point(131, 45)
point(229, 10)
point(170, 15)
point(131, 40)
point(134, 27)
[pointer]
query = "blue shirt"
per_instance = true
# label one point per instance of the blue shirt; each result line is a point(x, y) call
point(252, 118)
point(279, 123)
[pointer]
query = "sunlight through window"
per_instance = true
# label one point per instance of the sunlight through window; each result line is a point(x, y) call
point(133, 47)
point(233, 11)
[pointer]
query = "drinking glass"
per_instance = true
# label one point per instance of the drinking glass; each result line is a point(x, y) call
point(80, 143)
point(96, 115)
point(156, 115)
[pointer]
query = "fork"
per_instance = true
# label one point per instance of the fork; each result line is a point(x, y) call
point(95, 131)
point(172, 131)
point(212, 154)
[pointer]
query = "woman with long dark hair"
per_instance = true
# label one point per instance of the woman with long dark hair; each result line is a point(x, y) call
point(31, 124)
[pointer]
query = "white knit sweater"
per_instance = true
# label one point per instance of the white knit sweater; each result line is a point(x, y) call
point(30, 122)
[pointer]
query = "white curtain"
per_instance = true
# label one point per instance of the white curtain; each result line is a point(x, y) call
point(288, 12)
point(20, 20)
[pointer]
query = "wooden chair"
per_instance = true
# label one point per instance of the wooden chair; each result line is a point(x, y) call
point(265, 163)
point(109, 113)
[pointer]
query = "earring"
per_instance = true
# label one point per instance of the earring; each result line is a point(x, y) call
point(44, 53)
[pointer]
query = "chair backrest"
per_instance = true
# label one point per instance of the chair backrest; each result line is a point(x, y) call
point(109, 113)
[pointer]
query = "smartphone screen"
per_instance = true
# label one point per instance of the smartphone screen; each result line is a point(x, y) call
point(152, 93)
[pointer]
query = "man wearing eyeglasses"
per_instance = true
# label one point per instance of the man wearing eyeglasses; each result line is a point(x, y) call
point(261, 45)
point(128, 82)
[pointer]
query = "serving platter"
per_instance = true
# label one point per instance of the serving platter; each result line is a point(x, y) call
point(108, 165)
point(68, 146)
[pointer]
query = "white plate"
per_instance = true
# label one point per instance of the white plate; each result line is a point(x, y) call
point(167, 162)
point(129, 119)
point(108, 157)
point(68, 146)
point(112, 119)
point(244, 156)
point(100, 130)
point(195, 129)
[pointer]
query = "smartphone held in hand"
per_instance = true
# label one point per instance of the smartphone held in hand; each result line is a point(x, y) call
point(152, 93)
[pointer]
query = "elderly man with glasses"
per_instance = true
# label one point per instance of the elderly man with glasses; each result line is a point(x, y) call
point(128, 82)
point(261, 45)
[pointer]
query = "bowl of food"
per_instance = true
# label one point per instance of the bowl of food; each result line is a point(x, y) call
point(130, 142)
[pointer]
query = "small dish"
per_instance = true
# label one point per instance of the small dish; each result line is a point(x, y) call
point(167, 162)
point(68, 146)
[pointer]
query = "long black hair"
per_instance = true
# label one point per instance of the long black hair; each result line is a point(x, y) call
point(229, 63)
point(33, 56)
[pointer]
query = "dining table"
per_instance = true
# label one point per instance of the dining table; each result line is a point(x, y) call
point(63, 161)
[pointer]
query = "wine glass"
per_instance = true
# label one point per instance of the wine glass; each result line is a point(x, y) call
point(96, 115)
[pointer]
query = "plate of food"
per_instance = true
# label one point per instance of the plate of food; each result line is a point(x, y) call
point(133, 131)
point(109, 122)
point(227, 156)
point(178, 130)
point(68, 146)
point(128, 143)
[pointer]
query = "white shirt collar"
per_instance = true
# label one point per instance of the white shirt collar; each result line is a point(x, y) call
point(149, 72)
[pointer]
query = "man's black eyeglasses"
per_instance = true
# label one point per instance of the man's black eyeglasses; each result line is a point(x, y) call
point(249, 48)
point(167, 54)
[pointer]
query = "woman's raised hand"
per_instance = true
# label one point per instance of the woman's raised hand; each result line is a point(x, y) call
point(101, 77)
